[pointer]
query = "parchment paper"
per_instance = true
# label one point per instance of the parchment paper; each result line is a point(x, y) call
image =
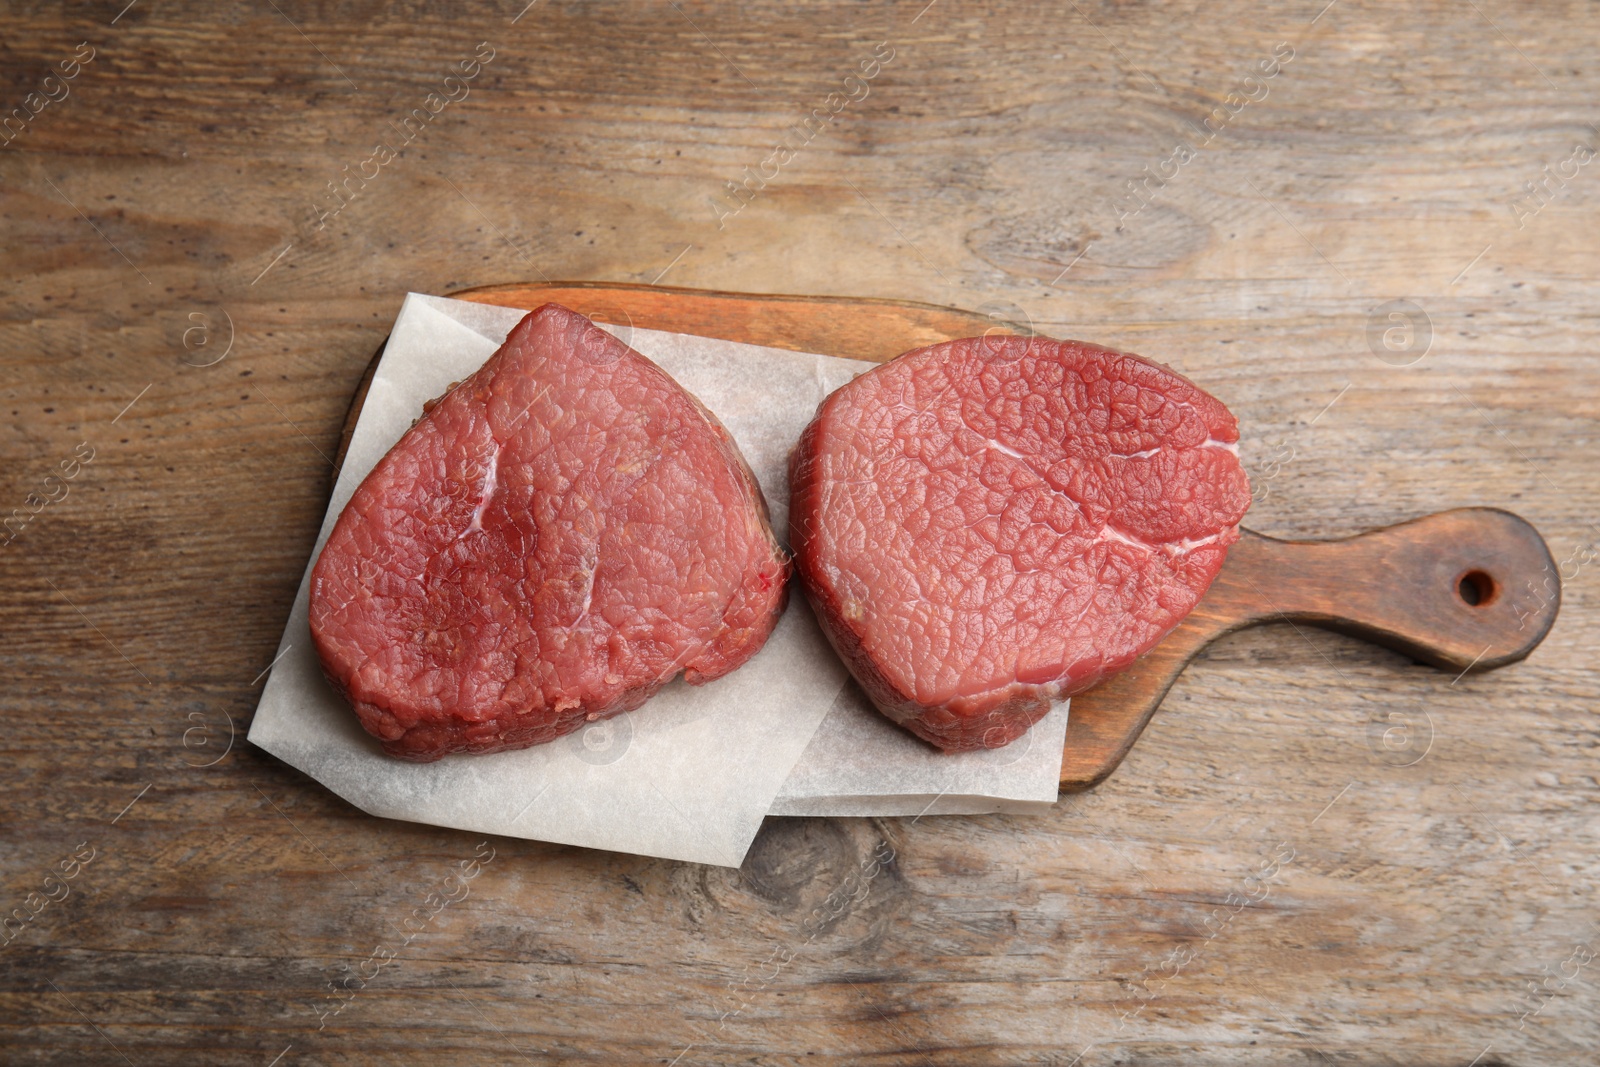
point(692, 773)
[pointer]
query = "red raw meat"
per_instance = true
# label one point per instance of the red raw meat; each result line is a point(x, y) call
point(990, 524)
point(553, 541)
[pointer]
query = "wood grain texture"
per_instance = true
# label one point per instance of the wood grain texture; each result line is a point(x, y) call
point(1445, 833)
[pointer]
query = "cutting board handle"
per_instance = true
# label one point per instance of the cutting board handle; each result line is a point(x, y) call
point(1470, 589)
point(1464, 590)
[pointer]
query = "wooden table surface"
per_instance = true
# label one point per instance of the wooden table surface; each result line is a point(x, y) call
point(1318, 852)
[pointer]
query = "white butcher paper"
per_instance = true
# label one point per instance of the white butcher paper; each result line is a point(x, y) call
point(691, 774)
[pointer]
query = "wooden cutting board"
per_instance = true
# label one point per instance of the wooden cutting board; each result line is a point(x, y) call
point(1465, 590)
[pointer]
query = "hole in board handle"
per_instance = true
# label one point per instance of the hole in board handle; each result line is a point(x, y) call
point(1476, 589)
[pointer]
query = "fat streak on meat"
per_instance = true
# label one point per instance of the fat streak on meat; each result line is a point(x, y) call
point(987, 525)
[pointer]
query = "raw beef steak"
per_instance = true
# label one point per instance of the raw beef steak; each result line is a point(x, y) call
point(987, 525)
point(554, 540)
